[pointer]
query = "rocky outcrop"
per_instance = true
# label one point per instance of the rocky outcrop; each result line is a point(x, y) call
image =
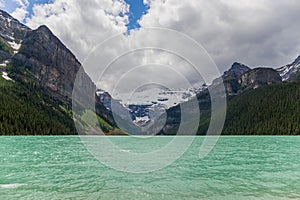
point(259, 77)
point(231, 77)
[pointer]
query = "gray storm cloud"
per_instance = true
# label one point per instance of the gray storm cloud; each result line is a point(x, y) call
point(254, 32)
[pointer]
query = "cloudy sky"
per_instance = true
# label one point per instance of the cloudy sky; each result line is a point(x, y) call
point(254, 32)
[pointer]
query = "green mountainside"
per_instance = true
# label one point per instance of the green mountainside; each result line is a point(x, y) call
point(26, 109)
point(269, 110)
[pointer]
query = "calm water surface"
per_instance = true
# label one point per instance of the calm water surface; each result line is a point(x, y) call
point(238, 168)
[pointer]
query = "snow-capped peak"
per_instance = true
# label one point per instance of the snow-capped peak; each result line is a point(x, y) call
point(148, 104)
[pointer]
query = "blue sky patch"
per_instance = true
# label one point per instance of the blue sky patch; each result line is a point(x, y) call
point(137, 9)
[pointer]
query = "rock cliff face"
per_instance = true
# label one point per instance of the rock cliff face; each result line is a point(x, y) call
point(259, 77)
point(45, 56)
point(49, 63)
point(52, 64)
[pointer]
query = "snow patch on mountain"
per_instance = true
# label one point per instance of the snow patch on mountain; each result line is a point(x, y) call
point(142, 121)
point(6, 77)
point(160, 97)
point(286, 71)
point(15, 46)
point(4, 72)
point(6, 62)
point(147, 104)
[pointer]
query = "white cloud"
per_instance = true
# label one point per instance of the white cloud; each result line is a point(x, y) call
point(21, 11)
point(22, 3)
point(2, 4)
point(81, 24)
point(146, 2)
point(251, 31)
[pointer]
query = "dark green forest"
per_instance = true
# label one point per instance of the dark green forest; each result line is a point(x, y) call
point(26, 109)
point(269, 110)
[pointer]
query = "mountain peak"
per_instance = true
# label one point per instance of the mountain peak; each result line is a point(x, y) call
point(44, 28)
point(44, 35)
point(5, 14)
point(236, 70)
point(237, 65)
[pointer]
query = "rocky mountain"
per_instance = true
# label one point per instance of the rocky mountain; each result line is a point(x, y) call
point(42, 53)
point(37, 83)
point(244, 86)
point(38, 64)
point(236, 71)
point(240, 78)
point(52, 64)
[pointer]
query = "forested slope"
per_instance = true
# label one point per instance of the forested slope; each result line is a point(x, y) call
point(269, 110)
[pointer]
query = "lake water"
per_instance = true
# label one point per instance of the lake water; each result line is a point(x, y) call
point(237, 168)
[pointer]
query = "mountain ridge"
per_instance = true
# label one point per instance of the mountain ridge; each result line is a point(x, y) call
point(289, 71)
point(35, 63)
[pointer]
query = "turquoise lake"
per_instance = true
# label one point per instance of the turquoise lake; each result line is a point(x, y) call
point(237, 168)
